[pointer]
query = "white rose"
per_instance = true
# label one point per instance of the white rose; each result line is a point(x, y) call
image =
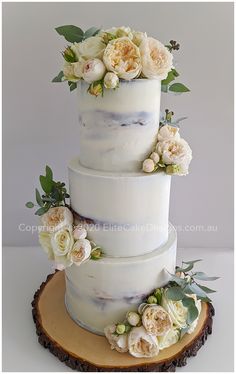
point(122, 57)
point(80, 252)
point(177, 312)
point(133, 318)
point(92, 47)
point(175, 152)
point(79, 233)
point(199, 308)
point(156, 320)
point(168, 132)
point(170, 338)
point(117, 342)
point(141, 344)
point(155, 157)
point(45, 242)
point(62, 262)
point(138, 37)
point(121, 31)
point(93, 70)
point(156, 59)
point(57, 218)
point(148, 165)
point(62, 241)
point(111, 80)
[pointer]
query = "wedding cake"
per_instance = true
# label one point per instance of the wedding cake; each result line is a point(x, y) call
point(114, 241)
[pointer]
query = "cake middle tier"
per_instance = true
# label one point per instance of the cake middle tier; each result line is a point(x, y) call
point(124, 213)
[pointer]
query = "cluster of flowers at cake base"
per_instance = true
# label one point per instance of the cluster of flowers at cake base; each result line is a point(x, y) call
point(65, 244)
point(103, 57)
point(171, 154)
point(157, 324)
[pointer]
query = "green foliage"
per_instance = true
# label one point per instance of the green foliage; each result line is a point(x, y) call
point(74, 34)
point(58, 78)
point(92, 31)
point(54, 193)
point(72, 85)
point(178, 87)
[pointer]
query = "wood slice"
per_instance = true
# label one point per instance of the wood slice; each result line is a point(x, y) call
point(84, 351)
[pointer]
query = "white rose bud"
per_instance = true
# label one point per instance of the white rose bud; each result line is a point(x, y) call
point(111, 80)
point(133, 318)
point(93, 70)
point(155, 157)
point(79, 233)
point(148, 165)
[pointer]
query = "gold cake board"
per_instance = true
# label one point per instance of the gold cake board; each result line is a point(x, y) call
point(84, 351)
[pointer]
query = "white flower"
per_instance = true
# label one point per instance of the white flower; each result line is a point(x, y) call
point(170, 338)
point(68, 71)
point(92, 47)
point(168, 132)
point(57, 218)
point(78, 68)
point(80, 252)
point(111, 80)
point(122, 57)
point(138, 37)
point(79, 233)
point(177, 312)
point(93, 70)
point(156, 59)
point(141, 344)
point(45, 242)
point(118, 342)
point(199, 308)
point(121, 31)
point(62, 241)
point(148, 165)
point(155, 157)
point(175, 152)
point(156, 320)
point(133, 318)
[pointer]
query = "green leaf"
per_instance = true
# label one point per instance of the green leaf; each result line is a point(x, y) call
point(191, 262)
point(189, 303)
point(49, 174)
point(175, 293)
point(59, 77)
point(205, 289)
point(202, 276)
point(164, 88)
point(38, 198)
point(181, 282)
point(195, 289)
point(188, 268)
point(40, 211)
point(172, 75)
point(29, 204)
point(72, 34)
point(178, 87)
point(91, 32)
point(73, 86)
point(46, 184)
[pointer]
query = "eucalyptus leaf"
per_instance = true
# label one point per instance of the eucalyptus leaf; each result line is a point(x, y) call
point(192, 314)
point(49, 174)
point(180, 120)
point(175, 293)
point(59, 77)
point(178, 87)
point(38, 198)
point(205, 289)
point(46, 184)
point(181, 282)
point(91, 32)
point(195, 289)
point(72, 34)
point(40, 211)
point(29, 204)
point(192, 262)
point(188, 268)
point(202, 276)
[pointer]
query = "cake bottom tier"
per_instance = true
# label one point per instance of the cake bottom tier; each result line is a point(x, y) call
point(101, 292)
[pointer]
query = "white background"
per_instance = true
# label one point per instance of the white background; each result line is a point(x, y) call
point(40, 118)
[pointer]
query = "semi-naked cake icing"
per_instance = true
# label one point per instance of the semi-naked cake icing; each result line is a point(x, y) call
point(113, 239)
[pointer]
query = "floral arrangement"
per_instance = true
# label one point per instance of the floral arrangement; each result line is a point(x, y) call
point(64, 243)
point(103, 57)
point(171, 153)
point(164, 317)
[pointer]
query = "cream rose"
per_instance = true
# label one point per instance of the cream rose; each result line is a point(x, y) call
point(57, 218)
point(93, 70)
point(156, 320)
point(111, 80)
point(117, 342)
point(45, 242)
point(170, 338)
point(156, 59)
point(141, 344)
point(79, 233)
point(168, 132)
point(175, 152)
point(155, 157)
point(148, 165)
point(138, 37)
point(92, 47)
point(62, 241)
point(122, 57)
point(177, 312)
point(80, 252)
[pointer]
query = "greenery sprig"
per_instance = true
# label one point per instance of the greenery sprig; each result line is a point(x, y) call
point(54, 194)
point(168, 119)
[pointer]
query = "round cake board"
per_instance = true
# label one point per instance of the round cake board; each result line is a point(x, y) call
point(84, 351)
